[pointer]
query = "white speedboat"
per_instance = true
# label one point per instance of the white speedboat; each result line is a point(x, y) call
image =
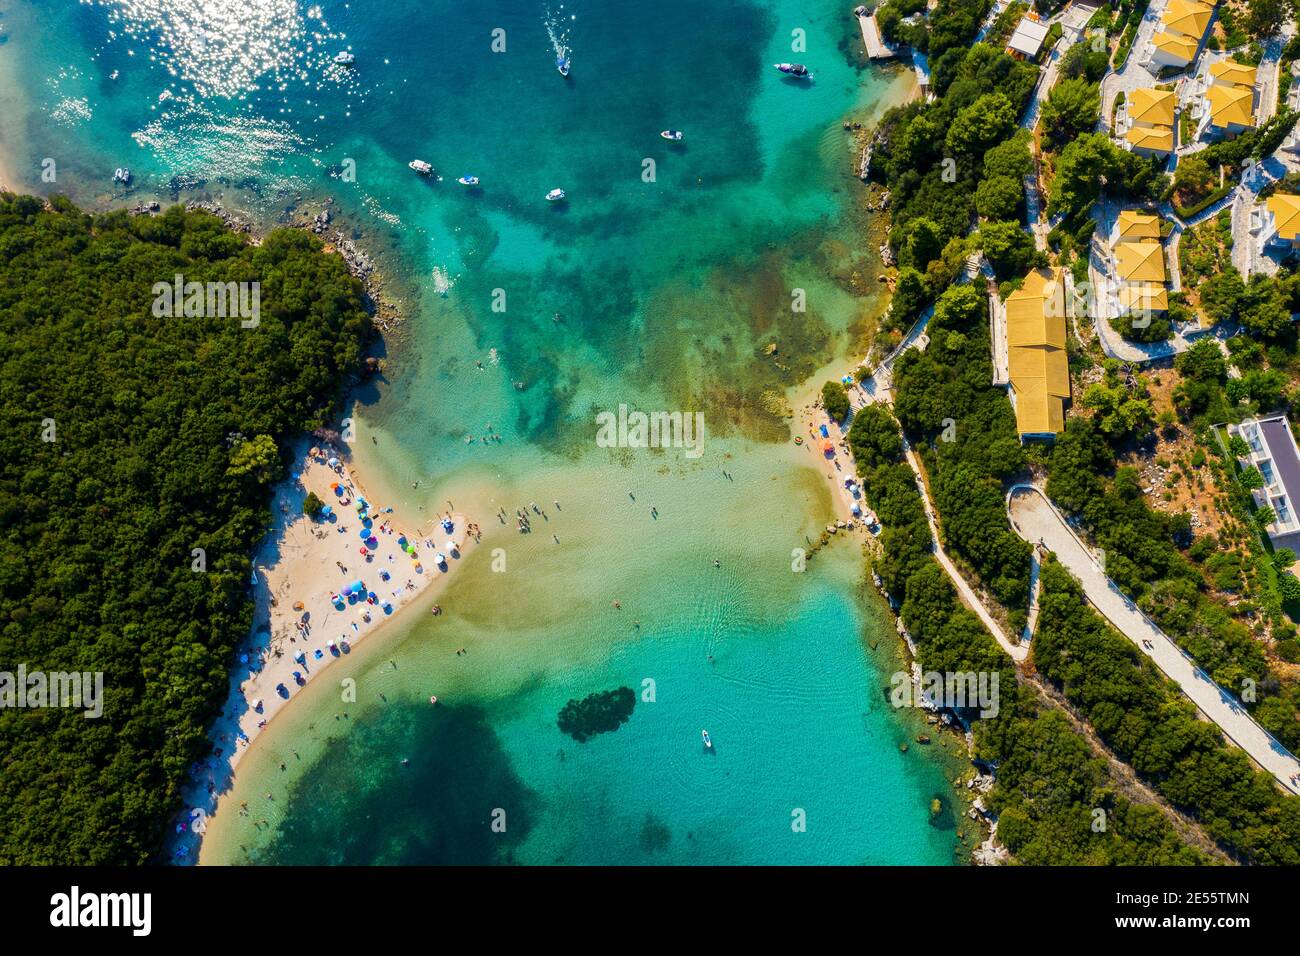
point(420, 166)
point(555, 195)
point(468, 180)
point(708, 742)
point(797, 70)
point(562, 64)
point(344, 58)
point(673, 135)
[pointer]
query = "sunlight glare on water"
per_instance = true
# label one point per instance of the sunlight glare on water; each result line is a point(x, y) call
point(227, 47)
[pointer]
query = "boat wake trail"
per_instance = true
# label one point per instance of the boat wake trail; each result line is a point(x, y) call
point(557, 29)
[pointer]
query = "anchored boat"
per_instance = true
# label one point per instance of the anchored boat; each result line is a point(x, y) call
point(344, 58)
point(562, 64)
point(555, 195)
point(468, 180)
point(673, 135)
point(420, 166)
point(797, 70)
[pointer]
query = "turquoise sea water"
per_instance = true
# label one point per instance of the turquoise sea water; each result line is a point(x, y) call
point(657, 292)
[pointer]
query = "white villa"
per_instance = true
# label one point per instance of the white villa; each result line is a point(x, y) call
point(1273, 451)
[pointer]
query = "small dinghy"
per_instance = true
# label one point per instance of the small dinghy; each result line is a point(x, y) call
point(468, 180)
point(672, 135)
point(122, 175)
point(555, 195)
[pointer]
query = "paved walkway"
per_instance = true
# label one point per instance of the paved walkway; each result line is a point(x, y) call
point(1034, 518)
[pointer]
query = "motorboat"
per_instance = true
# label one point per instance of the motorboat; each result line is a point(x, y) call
point(344, 58)
point(468, 180)
point(672, 135)
point(420, 166)
point(122, 175)
point(797, 70)
point(708, 741)
point(562, 64)
point(555, 195)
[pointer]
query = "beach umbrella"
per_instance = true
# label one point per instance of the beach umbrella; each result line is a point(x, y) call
point(338, 491)
point(372, 542)
point(442, 558)
point(364, 533)
point(333, 462)
point(356, 585)
point(451, 546)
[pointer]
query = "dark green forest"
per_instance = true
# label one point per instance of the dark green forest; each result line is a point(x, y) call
point(1152, 727)
point(166, 436)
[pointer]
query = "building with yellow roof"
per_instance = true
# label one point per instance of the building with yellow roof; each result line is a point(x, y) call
point(1138, 263)
point(1132, 225)
point(1228, 110)
point(1187, 18)
point(1151, 122)
point(1232, 73)
point(1036, 356)
point(1170, 49)
point(1143, 297)
point(1281, 225)
point(1142, 261)
point(1151, 107)
point(1228, 107)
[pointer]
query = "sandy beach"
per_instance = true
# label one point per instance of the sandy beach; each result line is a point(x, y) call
point(809, 416)
point(305, 618)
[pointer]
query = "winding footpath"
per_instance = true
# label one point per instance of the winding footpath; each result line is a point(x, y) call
point(1017, 650)
point(1035, 519)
